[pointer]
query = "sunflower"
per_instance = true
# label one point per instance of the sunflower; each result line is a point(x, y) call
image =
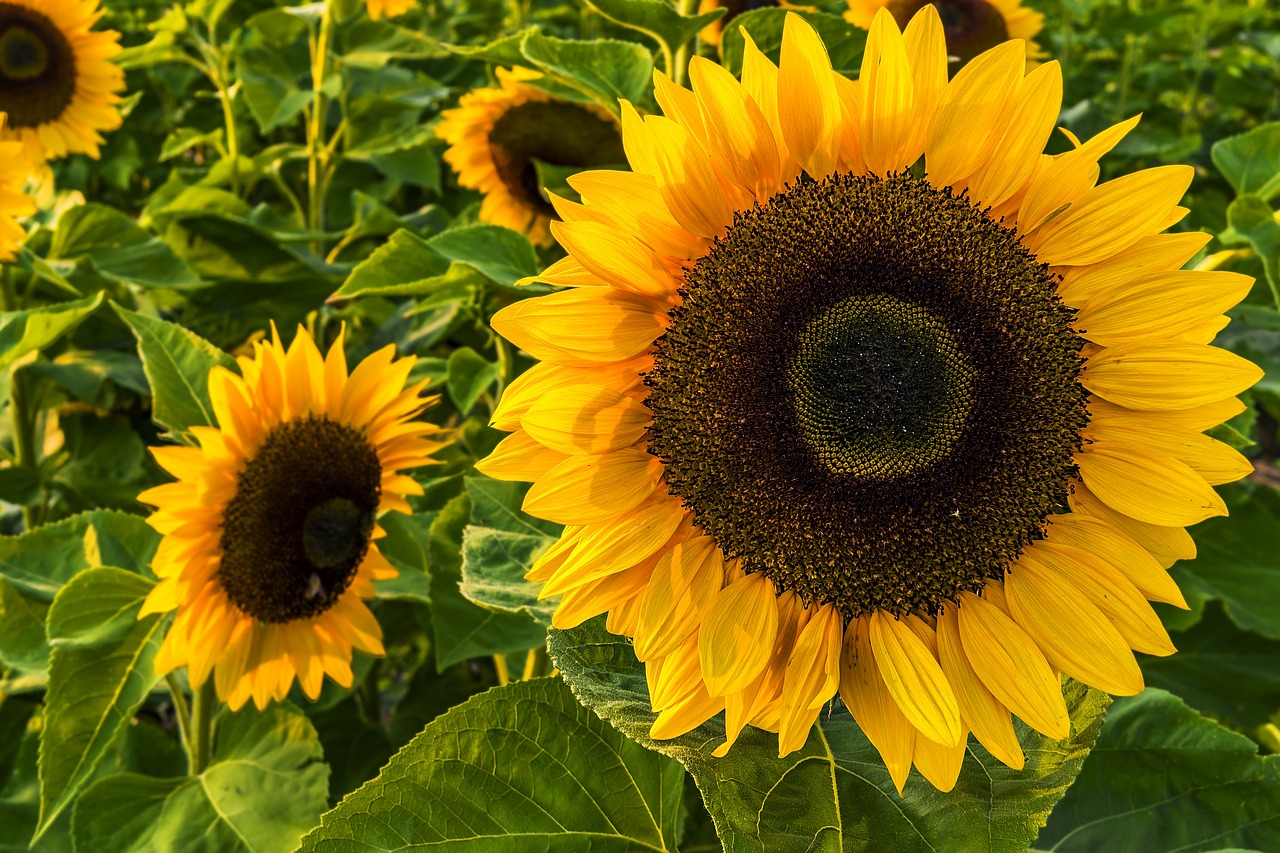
point(270, 531)
point(970, 26)
point(56, 81)
point(14, 171)
point(378, 9)
point(495, 135)
point(823, 419)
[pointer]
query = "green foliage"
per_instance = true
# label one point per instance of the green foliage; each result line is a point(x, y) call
point(264, 787)
point(522, 767)
point(762, 802)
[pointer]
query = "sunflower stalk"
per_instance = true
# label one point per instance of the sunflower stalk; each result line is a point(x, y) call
point(681, 70)
point(25, 447)
point(181, 711)
point(317, 151)
point(204, 708)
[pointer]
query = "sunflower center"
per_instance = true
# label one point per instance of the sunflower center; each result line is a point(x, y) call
point(553, 132)
point(299, 525)
point(37, 67)
point(881, 387)
point(970, 26)
point(870, 393)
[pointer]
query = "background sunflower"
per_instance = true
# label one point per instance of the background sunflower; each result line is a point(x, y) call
point(14, 203)
point(970, 26)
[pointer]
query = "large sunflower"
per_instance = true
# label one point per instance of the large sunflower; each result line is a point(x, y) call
point(56, 81)
point(823, 419)
point(14, 170)
point(495, 135)
point(269, 533)
point(970, 26)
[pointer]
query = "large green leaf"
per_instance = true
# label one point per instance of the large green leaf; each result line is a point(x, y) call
point(1251, 161)
point(1162, 777)
point(1253, 219)
point(497, 253)
point(265, 785)
point(656, 18)
point(469, 375)
point(835, 794)
point(177, 363)
point(41, 561)
point(1236, 560)
point(102, 668)
point(520, 768)
point(106, 243)
point(23, 332)
point(22, 641)
point(603, 69)
point(500, 546)
point(406, 265)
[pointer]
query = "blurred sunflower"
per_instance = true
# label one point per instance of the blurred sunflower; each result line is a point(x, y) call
point(814, 412)
point(970, 26)
point(14, 170)
point(56, 80)
point(269, 532)
point(379, 9)
point(495, 135)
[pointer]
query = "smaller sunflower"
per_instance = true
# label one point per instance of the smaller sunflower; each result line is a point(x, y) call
point(14, 170)
point(378, 9)
point(495, 135)
point(57, 82)
point(270, 532)
point(970, 26)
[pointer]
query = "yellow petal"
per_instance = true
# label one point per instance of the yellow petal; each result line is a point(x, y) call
point(684, 583)
point(1159, 305)
point(600, 596)
point(737, 130)
point(687, 714)
point(586, 419)
point(888, 124)
point(980, 711)
point(865, 694)
point(1164, 376)
point(1111, 217)
point(939, 764)
point(519, 457)
point(592, 489)
point(583, 326)
point(614, 546)
point(687, 180)
point(808, 106)
point(760, 79)
point(1166, 544)
point(737, 634)
point(1014, 160)
point(1147, 485)
point(615, 257)
point(1103, 539)
point(926, 44)
point(544, 378)
point(915, 680)
point(1011, 665)
point(1151, 254)
point(1074, 634)
point(1061, 180)
point(812, 678)
point(1216, 462)
point(1197, 419)
point(972, 114)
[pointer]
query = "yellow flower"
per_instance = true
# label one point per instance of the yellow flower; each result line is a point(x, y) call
point(496, 134)
point(970, 26)
point(379, 9)
point(14, 202)
point(56, 80)
point(270, 531)
point(823, 419)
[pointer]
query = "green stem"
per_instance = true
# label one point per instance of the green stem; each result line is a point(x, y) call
point(233, 144)
point(204, 706)
point(24, 440)
point(367, 698)
point(317, 152)
point(8, 293)
point(182, 711)
point(681, 62)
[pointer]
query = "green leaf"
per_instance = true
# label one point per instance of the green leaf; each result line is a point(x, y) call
point(23, 332)
point(763, 803)
point(501, 51)
point(655, 18)
point(520, 768)
point(1251, 161)
point(500, 546)
point(177, 363)
point(496, 252)
point(1220, 670)
point(102, 668)
point(462, 629)
point(405, 265)
point(41, 561)
point(22, 640)
point(265, 785)
point(844, 41)
point(374, 44)
point(1162, 777)
point(604, 69)
point(405, 546)
point(1236, 559)
point(104, 242)
point(1254, 220)
point(469, 376)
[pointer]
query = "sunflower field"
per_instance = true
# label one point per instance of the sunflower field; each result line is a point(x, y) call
point(526, 426)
